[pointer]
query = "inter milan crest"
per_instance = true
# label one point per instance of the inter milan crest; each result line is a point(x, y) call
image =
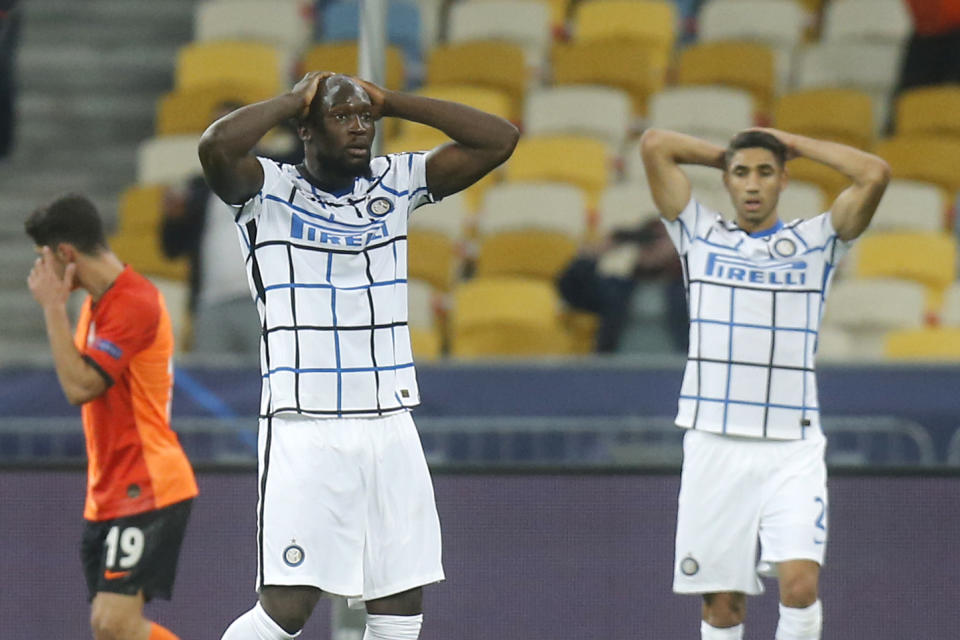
point(379, 206)
point(785, 247)
point(689, 566)
point(293, 555)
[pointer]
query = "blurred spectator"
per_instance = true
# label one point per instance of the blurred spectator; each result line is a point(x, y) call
point(633, 281)
point(199, 225)
point(933, 52)
point(9, 35)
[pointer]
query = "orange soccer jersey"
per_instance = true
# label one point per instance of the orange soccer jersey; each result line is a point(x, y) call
point(135, 461)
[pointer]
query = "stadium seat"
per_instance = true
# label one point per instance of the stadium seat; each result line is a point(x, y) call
point(576, 160)
point(184, 111)
point(624, 64)
point(280, 24)
point(506, 317)
point(908, 205)
point(927, 258)
point(950, 313)
point(830, 181)
point(929, 343)
point(929, 111)
point(528, 25)
point(869, 20)
point(650, 22)
point(598, 112)
point(168, 159)
point(417, 139)
point(344, 57)
point(486, 99)
point(776, 23)
point(143, 252)
point(340, 22)
point(682, 109)
point(210, 63)
point(745, 65)
point(529, 229)
point(449, 217)
point(625, 206)
point(801, 200)
point(432, 256)
point(140, 210)
point(840, 115)
point(923, 158)
point(491, 64)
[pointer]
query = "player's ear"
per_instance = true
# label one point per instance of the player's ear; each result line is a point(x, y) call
point(65, 252)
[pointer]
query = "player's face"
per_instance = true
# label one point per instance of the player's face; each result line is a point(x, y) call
point(341, 141)
point(754, 180)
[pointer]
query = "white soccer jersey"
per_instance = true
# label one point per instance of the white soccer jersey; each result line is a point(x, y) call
point(329, 276)
point(755, 306)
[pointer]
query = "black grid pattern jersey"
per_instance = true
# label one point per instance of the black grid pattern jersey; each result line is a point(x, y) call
point(328, 273)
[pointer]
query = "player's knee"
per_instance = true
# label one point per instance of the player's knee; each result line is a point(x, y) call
point(799, 591)
point(289, 607)
point(724, 609)
point(111, 624)
point(407, 603)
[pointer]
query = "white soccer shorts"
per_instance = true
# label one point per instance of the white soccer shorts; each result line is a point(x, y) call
point(346, 505)
point(736, 492)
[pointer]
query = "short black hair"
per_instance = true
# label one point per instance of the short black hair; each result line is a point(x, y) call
point(71, 218)
point(755, 139)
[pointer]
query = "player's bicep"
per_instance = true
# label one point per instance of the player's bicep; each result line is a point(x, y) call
point(853, 209)
point(669, 185)
point(453, 167)
point(235, 180)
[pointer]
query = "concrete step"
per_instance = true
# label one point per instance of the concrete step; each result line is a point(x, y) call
point(20, 315)
point(115, 12)
point(85, 66)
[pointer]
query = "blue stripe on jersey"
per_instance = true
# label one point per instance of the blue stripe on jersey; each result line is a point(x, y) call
point(325, 285)
point(799, 237)
point(733, 293)
point(806, 358)
point(336, 334)
point(748, 325)
point(393, 191)
point(727, 401)
point(319, 217)
point(339, 371)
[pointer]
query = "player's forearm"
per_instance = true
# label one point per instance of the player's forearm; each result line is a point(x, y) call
point(77, 378)
point(861, 167)
point(237, 133)
point(680, 148)
point(468, 126)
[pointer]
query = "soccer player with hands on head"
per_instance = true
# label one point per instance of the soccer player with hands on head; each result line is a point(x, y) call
point(346, 503)
point(753, 463)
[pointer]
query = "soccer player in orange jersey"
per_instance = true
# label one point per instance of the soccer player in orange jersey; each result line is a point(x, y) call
point(118, 367)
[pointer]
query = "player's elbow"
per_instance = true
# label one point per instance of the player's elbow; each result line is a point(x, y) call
point(879, 172)
point(651, 142)
point(511, 136)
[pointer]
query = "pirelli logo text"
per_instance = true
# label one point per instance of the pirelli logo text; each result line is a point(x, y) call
point(772, 272)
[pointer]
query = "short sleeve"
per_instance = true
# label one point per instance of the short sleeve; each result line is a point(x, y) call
point(274, 184)
point(818, 233)
point(692, 222)
point(416, 164)
point(125, 330)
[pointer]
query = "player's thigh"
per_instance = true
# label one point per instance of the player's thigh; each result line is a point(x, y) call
point(717, 517)
point(794, 522)
point(115, 615)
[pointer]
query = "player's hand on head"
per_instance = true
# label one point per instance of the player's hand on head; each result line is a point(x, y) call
point(45, 284)
point(308, 87)
point(378, 97)
point(783, 136)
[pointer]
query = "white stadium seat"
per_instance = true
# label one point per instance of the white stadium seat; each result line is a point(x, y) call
point(545, 206)
point(599, 112)
point(868, 20)
point(449, 216)
point(801, 200)
point(711, 112)
point(279, 23)
point(522, 22)
point(908, 205)
point(625, 205)
point(168, 159)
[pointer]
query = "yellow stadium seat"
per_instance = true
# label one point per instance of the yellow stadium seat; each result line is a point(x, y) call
point(416, 139)
point(576, 160)
point(932, 343)
point(652, 22)
point(142, 251)
point(486, 99)
point(832, 182)
point(432, 257)
point(496, 65)
point(928, 258)
point(427, 344)
point(343, 57)
point(582, 329)
point(206, 63)
point(192, 110)
point(744, 65)
point(141, 210)
point(841, 115)
point(624, 64)
point(929, 111)
point(924, 158)
point(506, 317)
point(530, 253)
